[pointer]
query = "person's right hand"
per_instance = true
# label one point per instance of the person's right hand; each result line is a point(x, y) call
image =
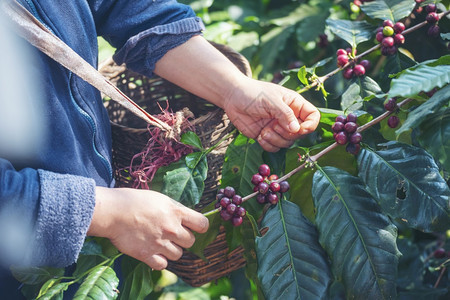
point(146, 225)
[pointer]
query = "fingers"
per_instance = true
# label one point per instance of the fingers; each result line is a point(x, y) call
point(182, 237)
point(195, 221)
point(309, 115)
point(156, 262)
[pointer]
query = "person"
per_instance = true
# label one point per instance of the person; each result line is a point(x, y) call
point(64, 190)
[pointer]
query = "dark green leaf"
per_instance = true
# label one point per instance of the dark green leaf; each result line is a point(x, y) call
point(314, 24)
point(48, 285)
point(182, 183)
point(242, 160)
point(138, 282)
point(35, 275)
point(363, 87)
point(292, 265)
point(91, 247)
point(101, 283)
point(86, 262)
point(359, 239)
point(420, 113)
point(55, 292)
point(191, 139)
point(417, 79)
point(272, 43)
point(406, 183)
point(434, 136)
point(354, 32)
point(192, 159)
point(393, 10)
point(249, 230)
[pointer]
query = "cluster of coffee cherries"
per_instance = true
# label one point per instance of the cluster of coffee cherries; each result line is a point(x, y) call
point(267, 186)
point(432, 19)
point(229, 205)
point(344, 132)
point(343, 56)
point(390, 36)
point(391, 105)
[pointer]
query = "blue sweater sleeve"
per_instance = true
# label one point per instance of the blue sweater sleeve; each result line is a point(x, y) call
point(143, 31)
point(44, 216)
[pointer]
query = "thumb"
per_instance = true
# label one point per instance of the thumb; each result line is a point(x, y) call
point(286, 118)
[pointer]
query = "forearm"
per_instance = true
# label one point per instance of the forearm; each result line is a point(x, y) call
point(201, 69)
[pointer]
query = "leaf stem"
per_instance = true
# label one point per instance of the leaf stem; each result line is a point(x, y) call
point(322, 79)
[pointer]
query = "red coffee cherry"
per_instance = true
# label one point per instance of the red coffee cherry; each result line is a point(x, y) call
point(359, 70)
point(264, 170)
point(348, 73)
point(399, 27)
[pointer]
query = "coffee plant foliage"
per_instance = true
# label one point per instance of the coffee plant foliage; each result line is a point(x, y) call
point(375, 225)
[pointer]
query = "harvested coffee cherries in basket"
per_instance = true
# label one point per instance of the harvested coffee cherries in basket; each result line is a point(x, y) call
point(229, 205)
point(344, 133)
point(268, 188)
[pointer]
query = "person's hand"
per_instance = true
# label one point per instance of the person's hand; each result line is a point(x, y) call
point(270, 113)
point(146, 225)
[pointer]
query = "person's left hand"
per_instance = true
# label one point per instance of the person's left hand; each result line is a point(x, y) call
point(274, 115)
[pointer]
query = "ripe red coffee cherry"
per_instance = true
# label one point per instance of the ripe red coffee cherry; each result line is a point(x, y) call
point(229, 192)
point(273, 177)
point(432, 18)
point(236, 221)
point(388, 42)
point(257, 178)
point(379, 36)
point(353, 148)
point(261, 198)
point(237, 200)
point(380, 29)
point(350, 127)
point(391, 104)
point(284, 186)
point(231, 208)
point(341, 118)
point(351, 117)
point(225, 215)
point(224, 202)
point(219, 196)
point(430, 7)
point(439, 253)
point(272, 198)
point(240, 212)
point(263, 188)
point(355, 138)
point(433, 31)
point(365, 63)
point(348, 73)
point(399, 39)
point(388, 23)
point(399, 27)
point(342, 60)
point(221, 191)
point(264, 170)
point(274, 187)
point(337, 126)
point(359, 70)
point(341, 52)
point(341, 138)
point(393, 121)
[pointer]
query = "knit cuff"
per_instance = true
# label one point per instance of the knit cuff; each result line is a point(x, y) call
point(65, 212)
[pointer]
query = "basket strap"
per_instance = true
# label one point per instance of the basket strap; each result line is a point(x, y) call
point(32, 30)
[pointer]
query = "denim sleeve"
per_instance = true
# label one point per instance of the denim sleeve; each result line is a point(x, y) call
point(44, 216)
point(143, 31)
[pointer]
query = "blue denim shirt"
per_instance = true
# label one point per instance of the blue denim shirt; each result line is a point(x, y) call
point(54, 191)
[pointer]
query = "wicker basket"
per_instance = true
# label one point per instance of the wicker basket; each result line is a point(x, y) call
point(130, 136)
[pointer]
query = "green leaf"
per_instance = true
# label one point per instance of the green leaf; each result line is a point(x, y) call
point(91, 247)
point(55, 292)
point(445, 36)
point(35, 275)
point(420, 113)
point(302, 75)
point(101, 283)
point(182, 183)
point(242, 160)
point(48, 285)
point(354, 32)
point(353, 97)
point(406, 182)
point(138, 282)
point(434, 136)
point(417, 79)
point(292, 264)
point(192, 159)
point(272, 44)
point(393, 10)
point(191, 139)
point(359, 239)
point(395, 64)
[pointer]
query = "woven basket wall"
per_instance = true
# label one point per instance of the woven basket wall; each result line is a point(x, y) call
point(130, 136)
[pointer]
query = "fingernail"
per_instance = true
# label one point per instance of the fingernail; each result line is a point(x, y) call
point(294, 126)
point(266, 135)
point(277, 128)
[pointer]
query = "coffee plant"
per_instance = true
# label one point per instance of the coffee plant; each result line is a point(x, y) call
point(360, 209)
